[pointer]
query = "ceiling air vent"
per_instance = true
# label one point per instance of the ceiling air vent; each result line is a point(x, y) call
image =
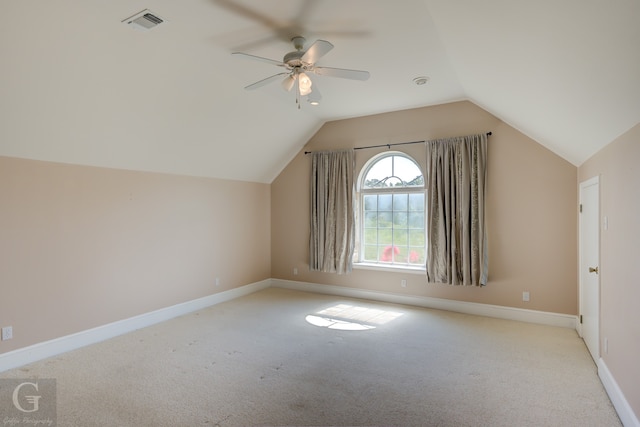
point(144, 21)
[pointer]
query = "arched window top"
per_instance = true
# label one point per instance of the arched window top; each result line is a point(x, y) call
point(391, 170)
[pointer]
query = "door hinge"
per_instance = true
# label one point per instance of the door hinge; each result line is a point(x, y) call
point(581, 319)
point(580, 207)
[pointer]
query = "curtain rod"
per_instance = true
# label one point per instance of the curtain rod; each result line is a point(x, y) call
point(387, 145)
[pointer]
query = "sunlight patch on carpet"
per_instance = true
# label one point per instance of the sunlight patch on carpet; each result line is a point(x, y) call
point(347, 317)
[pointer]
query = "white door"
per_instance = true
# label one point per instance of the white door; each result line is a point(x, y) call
point(590, 265)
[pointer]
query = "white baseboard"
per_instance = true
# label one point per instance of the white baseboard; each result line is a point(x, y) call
point(510, 313)
point(61, 345)
point(626, 414)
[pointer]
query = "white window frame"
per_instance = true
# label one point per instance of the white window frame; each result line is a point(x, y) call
point(359, 263)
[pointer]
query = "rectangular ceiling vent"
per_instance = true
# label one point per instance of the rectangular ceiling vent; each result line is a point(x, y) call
point(144, 21)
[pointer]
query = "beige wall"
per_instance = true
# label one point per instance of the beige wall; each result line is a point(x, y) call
point(531, 209)
point(617, 166)
point(82, 246)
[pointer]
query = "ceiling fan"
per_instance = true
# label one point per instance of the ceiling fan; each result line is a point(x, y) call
point(298, 65)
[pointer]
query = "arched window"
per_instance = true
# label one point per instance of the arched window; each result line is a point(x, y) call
point(392, 212)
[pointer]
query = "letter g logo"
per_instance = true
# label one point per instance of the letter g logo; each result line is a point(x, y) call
point(33, 400)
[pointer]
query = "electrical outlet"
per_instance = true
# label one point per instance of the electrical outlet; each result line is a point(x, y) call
point(295, 271)
point(403, 283)
point(606, 345)
point(217, 281)
point(7, 333)
point(525, 296)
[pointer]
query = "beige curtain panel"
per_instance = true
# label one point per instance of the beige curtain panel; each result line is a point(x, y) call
point(332, 212)
point(456, 183)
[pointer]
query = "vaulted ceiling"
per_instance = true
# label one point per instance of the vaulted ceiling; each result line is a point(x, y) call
point(79, 86)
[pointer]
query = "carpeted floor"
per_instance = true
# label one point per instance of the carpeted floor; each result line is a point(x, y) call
point(258, 361)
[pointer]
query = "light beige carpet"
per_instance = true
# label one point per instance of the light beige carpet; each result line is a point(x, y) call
point(257, 361)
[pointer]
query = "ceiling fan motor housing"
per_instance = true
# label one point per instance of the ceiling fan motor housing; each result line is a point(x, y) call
point(293, 60)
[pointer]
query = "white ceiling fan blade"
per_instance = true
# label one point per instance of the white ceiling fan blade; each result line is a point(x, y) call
point(263, 82)
point(342, 73)
point(258, 58)
point(317, 50)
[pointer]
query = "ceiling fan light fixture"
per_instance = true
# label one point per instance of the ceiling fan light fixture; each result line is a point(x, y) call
point(304, 84)
point(288, 82)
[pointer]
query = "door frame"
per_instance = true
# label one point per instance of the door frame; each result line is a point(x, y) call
point(582, 269)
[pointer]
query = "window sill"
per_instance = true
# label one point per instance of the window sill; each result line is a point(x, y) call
point(390, 268)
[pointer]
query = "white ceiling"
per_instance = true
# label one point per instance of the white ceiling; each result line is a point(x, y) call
point(78, 86)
